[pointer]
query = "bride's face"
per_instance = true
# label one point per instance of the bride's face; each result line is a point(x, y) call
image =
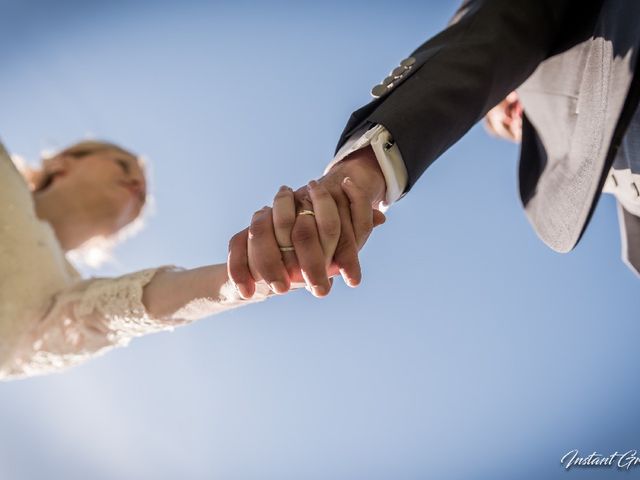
point(108, 184)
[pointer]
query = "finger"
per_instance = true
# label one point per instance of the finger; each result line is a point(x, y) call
point(361, 211)
point(514, 123)
point(238, 265)
point(512, 110)
point(309, 251)
point(508, 129)
point(284, 217)
point(379, 218)
point(264, 253)
point(518, 109)
point(496, 122)
point(515, 129)
point(512, 97)
point(327, 219)
point(490, 123)
point(346, 254)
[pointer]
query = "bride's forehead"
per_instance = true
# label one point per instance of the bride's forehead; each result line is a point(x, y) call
point(113, 154)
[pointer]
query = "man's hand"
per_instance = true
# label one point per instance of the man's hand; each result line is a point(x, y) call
point(505, 119)
point(325, 243)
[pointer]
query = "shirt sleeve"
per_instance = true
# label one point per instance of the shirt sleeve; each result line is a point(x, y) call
point(96, 315)
point(388, 156)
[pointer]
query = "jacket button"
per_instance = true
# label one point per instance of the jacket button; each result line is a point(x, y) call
point(407, 62)
point(398, 72)
point(378, 91)
point(388, 81)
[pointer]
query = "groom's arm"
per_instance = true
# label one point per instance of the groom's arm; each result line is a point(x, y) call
point(444, 88)
point(352, 222)
point(452, 80)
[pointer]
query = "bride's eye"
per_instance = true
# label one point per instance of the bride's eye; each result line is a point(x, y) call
point(124, 164)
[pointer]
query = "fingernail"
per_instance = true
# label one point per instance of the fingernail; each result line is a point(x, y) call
point(352, 282)
point(347, 180)
point(242, 290)
point(320, 290)
point(278, 287)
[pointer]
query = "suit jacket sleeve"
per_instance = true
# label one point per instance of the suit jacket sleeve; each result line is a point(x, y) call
point(629, 238)
point(489, 48)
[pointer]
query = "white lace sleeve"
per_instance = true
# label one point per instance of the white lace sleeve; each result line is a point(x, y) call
point(96, 315)
point(88, 319)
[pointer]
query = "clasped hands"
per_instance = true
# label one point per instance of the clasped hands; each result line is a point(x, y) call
point(313, 233)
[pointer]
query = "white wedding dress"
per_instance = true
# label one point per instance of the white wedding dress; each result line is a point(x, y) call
point(50, 318)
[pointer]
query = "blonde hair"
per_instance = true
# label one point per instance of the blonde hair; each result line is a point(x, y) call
point(97, 250)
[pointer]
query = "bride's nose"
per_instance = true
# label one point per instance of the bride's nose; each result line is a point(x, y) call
point(137, 186)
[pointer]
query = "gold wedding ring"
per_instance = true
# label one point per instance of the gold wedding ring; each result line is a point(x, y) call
point(291, 248)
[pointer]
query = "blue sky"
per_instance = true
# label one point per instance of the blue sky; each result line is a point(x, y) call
point(470, 350)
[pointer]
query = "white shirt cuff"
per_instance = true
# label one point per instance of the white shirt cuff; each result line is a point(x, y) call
point(388, 156)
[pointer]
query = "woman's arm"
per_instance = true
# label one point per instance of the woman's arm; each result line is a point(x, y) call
point(191, 294)
point(90, 317)
point(93, 316)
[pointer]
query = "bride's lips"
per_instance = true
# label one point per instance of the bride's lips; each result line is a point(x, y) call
point(136, 191)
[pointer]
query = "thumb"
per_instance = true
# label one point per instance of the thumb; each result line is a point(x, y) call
point(378, 218)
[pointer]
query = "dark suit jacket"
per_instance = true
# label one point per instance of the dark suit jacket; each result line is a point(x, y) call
point(573, 63)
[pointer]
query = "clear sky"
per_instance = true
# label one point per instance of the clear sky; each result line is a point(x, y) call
point(470, 351)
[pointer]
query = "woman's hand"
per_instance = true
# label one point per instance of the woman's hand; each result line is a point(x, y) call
point(268, 244)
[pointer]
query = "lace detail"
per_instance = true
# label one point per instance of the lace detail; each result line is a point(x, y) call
point(87, 320)
point(96, 315)
point(118, 302)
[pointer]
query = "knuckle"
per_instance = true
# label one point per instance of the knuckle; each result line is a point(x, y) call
point(330, 228)
point(237, 272)
point(343, 202)
point(269, 268)
point(258, 228)
point(321, 192)
point(284, 222)
point(359, 194)
point(233, 241)
point(346, 245)
point(355, 187)
point(238, 242)
point(364, 225)
point(301, 194)
point(302, 234)
point(283, 195)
